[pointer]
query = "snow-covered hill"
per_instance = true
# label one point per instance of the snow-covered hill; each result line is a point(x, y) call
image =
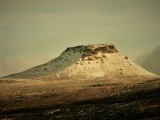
point(86, 61)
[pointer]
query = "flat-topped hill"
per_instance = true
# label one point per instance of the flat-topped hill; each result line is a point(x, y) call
point(85, 62)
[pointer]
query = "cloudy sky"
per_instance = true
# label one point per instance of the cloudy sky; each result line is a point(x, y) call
point(36, 31)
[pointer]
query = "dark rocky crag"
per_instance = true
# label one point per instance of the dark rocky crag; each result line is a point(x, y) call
point(93, 49)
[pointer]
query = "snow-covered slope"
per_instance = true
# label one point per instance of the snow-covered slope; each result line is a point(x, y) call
point(86, 61)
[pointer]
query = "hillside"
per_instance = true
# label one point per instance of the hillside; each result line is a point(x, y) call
point(85, 61)
point(87, 82)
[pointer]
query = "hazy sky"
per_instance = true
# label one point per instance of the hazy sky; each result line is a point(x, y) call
point(36, 31)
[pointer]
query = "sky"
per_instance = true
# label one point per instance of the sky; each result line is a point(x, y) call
point(33, 32)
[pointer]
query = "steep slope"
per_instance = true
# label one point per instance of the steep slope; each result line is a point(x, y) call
point(86, 61)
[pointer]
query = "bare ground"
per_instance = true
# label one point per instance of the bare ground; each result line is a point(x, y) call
point(133, 98)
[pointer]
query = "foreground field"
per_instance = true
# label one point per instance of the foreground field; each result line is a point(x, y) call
point(103, 98)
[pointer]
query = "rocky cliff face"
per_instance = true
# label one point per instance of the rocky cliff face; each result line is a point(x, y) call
point(86, 61)
point(93, 49)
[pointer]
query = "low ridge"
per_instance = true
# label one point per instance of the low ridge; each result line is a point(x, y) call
point(85, 61)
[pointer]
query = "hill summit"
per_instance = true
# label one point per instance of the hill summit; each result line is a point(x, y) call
point(85, 61)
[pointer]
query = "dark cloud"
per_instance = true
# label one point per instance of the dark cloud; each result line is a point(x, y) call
point(150, 60)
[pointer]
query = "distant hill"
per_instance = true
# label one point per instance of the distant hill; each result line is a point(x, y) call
point(150, 60)
point(86, 61)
